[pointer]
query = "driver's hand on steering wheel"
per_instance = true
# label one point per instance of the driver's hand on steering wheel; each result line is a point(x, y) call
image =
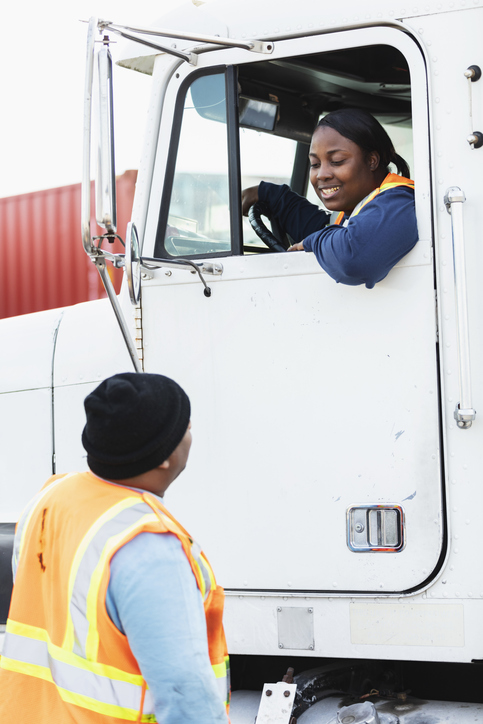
point(297, 247)
point(249, 197)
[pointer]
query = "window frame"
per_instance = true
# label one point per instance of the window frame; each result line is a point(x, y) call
point(394, 35)
point(233, 155)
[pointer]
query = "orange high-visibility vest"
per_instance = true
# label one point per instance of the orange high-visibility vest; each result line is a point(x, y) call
point(63, 659)
point(390, 182)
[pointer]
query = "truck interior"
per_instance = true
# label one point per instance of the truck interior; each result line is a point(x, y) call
point(237, 126)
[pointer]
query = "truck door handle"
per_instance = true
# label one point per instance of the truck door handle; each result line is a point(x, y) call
point(464, 413)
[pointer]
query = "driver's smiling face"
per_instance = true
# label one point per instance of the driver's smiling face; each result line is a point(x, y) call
point(341, 173)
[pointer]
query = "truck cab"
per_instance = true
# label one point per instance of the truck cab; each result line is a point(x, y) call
point(334, 474)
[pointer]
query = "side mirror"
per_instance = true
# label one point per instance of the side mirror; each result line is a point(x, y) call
point(106, 179)
point(132, 263)
point(106, 174)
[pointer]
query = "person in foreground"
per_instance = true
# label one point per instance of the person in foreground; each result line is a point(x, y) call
point(349, 155)
point(115, 614)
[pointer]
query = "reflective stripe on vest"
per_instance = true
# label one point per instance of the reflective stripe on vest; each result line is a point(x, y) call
point(222, 674)
point(105, 536)
point(97, 687)
point(391, 181)
point(73, 667)
point(207, 578)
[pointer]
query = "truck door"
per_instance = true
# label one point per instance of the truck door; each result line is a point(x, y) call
point(314, 405)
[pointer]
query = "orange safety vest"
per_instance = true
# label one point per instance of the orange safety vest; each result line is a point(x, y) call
point(390, 182)
point(63, 659)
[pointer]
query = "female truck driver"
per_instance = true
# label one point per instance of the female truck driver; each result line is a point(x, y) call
point(376, 226)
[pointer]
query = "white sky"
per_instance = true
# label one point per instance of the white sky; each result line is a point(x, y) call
point(42, 92)
point(42, 87)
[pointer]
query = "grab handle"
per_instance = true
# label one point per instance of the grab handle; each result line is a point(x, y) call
point(464, 413)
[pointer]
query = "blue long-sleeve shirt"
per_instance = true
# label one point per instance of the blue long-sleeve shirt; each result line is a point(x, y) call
point(154, 600)
point(363, 251)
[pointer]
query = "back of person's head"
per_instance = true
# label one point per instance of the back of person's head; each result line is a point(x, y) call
point(363, 129)
point(134, 422)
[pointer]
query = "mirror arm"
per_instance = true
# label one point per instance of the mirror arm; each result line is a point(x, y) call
point(109, 236)
point(213, 268)
point(100, 262)
point(86, 150)
point(256, 46)
point(188, 57)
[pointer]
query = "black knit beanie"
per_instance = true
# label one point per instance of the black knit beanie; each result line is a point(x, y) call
point(134, 422)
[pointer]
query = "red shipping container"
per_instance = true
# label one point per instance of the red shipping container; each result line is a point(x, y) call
point(44, 265)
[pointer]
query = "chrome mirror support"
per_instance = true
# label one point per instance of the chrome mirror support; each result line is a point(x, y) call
point(195, 267)
point(100, 263)
point(86, 148)
point(96, 254)
point(464, 413)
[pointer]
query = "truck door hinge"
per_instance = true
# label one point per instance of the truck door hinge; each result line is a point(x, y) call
point(138, 325)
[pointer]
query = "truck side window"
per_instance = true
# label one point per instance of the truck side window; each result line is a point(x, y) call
point(268, 157)
point(198, 221)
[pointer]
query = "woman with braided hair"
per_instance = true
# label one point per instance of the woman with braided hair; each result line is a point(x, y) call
point(376, 226)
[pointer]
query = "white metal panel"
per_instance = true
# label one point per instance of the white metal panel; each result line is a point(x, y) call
point(25, 448)
point(407, 624)
point(252, 628)
point(269, 20)
point(308, 397)
point(69, 423)
point(22, 340)
point(455, 163)
point(27, 344)
point(90, 346)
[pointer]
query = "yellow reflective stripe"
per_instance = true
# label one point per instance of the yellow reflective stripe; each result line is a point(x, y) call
point(67, 657)
point(201, 580)
point(222, 675)
point(373, 194)
point(219, 670)
point(86, 688)
point(207, 579)
point(24, 629)
point(209, 569)
point(393, 184)
point(381, 189)
point(69, 637)
point(205, 572)
point(86, 702)
point(92, 642)
point(369, 198)
point(20, 667)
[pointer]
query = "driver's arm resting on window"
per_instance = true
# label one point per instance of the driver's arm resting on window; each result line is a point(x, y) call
point(363, 251)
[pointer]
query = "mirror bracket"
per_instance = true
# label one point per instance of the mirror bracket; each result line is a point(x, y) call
point(141, 267)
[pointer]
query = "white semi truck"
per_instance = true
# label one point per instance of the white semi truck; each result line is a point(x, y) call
point(335, 480)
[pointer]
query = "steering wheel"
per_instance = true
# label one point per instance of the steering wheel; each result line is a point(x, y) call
point(254, 217)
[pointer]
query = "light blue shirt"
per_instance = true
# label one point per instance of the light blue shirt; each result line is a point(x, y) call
point(153, 599)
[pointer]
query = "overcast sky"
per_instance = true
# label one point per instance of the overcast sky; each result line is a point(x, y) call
point(43, 84)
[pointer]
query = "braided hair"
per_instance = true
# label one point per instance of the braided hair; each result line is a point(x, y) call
point(364, 130)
